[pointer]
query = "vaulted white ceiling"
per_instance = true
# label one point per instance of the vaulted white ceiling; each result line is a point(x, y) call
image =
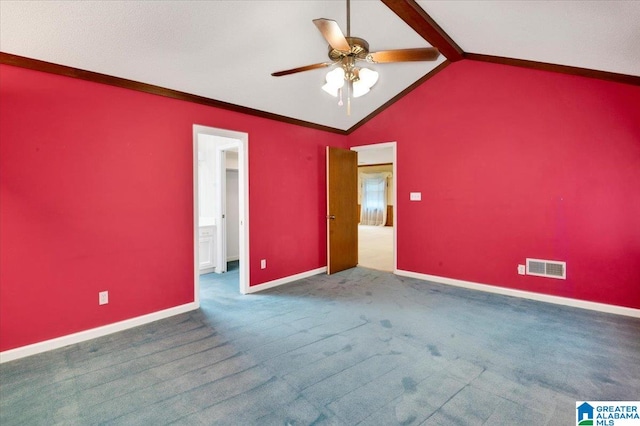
point(599, 35)
point(226, 50)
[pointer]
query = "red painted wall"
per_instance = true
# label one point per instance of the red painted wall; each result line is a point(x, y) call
point(96, 194)
point(96, 191)
point(515, 163)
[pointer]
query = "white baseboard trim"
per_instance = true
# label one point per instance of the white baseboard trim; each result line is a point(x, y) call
point(583, 304)
point(70, 339)
point(286, 280)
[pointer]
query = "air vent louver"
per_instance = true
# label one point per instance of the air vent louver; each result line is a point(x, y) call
point(547, 268)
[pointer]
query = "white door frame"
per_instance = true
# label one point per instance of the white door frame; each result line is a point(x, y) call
point(393, 146)
point(241, 141)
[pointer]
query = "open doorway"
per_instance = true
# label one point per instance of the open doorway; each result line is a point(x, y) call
point(232, 203)
point(377, 206)
point(221, 213)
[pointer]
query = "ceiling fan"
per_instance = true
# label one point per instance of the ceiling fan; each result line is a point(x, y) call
point(347, 52)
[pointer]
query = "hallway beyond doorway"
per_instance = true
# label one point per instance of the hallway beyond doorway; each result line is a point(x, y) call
point(209, 283)
point(375, 247)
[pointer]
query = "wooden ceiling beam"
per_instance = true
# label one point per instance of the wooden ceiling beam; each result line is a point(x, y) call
point(414, 16)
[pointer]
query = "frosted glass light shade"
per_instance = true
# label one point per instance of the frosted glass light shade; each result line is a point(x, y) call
point(332, 90)
point(359, 89)
point(335, 80)
point(367, 79)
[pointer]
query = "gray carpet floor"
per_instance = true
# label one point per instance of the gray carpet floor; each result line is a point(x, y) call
point(358, 347)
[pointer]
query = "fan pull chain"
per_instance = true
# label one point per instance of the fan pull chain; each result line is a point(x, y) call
point(349, 83)
point(340, 103)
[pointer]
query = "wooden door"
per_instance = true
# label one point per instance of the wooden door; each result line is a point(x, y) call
point(342, 209)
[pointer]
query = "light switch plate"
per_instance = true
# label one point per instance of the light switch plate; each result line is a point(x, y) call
point(521, 269)
point(415, 196)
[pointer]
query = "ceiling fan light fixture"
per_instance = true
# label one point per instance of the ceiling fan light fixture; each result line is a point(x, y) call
point(332, 90)
point(346, 52)
point(335, 81)
point(359, 89)
point(367, 79)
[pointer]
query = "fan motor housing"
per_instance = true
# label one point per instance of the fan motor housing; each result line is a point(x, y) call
point(359, 49)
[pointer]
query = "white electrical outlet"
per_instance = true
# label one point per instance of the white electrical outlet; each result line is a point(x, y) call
point(103, 297)
point(521, 269)
point(263, 264)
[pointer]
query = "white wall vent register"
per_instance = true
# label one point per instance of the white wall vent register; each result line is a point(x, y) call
point(547, 268)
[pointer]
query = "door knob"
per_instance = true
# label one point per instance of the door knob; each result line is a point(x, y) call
point(332, 217)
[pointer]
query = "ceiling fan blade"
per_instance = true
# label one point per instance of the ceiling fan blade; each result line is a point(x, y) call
point(301, 69)
point(332, 33)
point(404, 55)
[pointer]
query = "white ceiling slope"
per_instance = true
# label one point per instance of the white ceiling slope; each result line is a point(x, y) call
point(598, 35)
point(226, 50)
